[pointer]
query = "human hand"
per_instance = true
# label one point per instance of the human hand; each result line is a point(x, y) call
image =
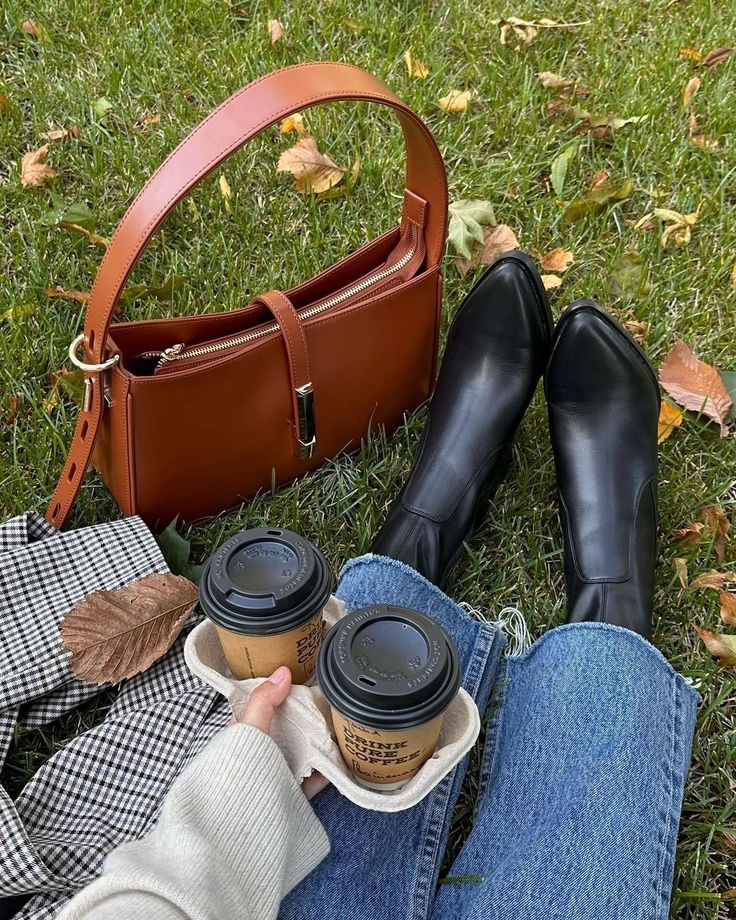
point(259, 712)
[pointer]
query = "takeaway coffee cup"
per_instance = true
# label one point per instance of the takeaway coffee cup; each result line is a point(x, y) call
point(265, 590)
point(388, 674)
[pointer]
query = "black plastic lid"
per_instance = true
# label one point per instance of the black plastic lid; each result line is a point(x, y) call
point(388, 668)
point(264, 581)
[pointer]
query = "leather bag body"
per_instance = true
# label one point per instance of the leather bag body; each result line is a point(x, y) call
point(192, 415)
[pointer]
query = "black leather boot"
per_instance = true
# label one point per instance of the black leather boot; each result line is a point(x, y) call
point(496, 351)
point(603, 401)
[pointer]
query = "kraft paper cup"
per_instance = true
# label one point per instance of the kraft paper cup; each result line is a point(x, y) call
point(265, 590)
point(389, 674)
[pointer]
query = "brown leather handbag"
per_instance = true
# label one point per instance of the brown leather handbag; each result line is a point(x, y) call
point(190, 416)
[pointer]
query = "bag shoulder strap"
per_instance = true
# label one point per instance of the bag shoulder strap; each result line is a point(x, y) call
point(249, 111)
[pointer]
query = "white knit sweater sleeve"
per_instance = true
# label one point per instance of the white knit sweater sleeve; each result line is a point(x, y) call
point(236, 834)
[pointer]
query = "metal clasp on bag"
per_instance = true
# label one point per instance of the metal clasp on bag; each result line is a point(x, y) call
point(307, 431)
point(91, 369)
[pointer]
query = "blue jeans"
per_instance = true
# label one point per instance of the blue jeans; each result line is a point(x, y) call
point(586, 753)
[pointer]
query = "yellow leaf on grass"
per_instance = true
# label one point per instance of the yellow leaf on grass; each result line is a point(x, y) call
point(693, 85)
point(293, 124)
point(275, 31)
point(678, 226)
point(456, 100)
point(227, 193)
point(680, 566)
point(720, 645)
point(60, 134)
point(551, 282)
point(718, 525)
point(695, 385)
point(416, 68)
point(557, 260)
point(79, 296)
point(313, 171)
point(553, 80)
point(34, 171)
point(733, 277)
point(689, 54)
point(670, 417)
point(526, 30)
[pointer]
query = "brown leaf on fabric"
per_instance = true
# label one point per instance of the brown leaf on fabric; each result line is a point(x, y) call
point(689, 536)
point(496, 241)
point(79, 296)
point(275, 31)
point(693, 85)
point(34, 171)
point(456, 100)
point(670, 417)
point(718, 525)
point(720, 645)
point(313, 171)
point(680, 566)
point(113, 635)
point(557, 260)
point(695, 385)
point(60, 134)
point(713, 580)
point(728, 607)
point(293, 124)
point(716, 56)
point(417, 69)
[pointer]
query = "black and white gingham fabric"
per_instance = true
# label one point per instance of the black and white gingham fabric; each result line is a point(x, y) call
point(107, 785)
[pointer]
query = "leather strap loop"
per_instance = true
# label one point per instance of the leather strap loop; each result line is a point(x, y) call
point(249, 111)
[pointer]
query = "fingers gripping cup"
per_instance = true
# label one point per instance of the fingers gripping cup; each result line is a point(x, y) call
point(265, 590)
point(388, 674)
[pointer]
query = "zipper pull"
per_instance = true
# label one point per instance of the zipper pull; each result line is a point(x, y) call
point(170, 354)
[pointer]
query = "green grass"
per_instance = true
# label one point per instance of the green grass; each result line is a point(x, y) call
point(179, 58)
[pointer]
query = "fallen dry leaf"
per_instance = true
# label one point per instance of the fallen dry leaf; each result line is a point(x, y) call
point(693, 85)
point(716, 56)
point(11, 407)
point(85, 231)
point(313, 171)
point(689, 54)
point(456, 100)
point(689, 536)
point(670, 417)
point(728, 607)
point(149, 118)
point(113, 635)
point(553, 80)
point(557, 260)
point(79, 296)
point(733, 277)
point(275, 31)
point(599, 179)
point(714, 518)
point(293, 124)
point(64, 381)
point(720, 645)
point(678, 226)
point(556, 107)
point(416, 68)
point(526, 30)
point(496, 241)
point(680, 566)
point(551, 282)
point(596, 201)
point(703, 140)
point(713, 580)
point(60, 134)
point(31, 27)
point(695, 385)
point(34, 171)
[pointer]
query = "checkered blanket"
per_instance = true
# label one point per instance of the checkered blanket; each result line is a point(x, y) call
point(107, 785)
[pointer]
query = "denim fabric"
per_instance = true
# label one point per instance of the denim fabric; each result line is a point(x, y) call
point(386, 866)
point(586, 753)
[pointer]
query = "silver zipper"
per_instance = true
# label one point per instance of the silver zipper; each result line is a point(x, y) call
point(178, 351)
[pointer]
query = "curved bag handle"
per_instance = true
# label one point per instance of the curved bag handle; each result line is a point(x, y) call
point(257, 106)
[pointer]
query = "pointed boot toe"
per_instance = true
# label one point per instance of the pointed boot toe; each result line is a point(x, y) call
point(603, 403)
